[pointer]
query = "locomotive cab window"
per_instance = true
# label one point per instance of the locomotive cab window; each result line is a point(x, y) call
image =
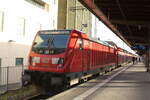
point(50, 43)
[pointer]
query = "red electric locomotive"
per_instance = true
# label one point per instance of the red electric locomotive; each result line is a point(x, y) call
point(64, 57)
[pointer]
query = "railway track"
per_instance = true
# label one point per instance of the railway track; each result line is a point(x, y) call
point(53, 93)
point(45, 95)
point(21, 94)
point(30, 92)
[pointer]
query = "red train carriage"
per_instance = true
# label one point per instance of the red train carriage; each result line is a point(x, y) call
point(123, 56)
point(60, 57)
point(128, 57)
point(120, 56)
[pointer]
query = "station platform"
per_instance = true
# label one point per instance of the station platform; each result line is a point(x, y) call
point(130, 82)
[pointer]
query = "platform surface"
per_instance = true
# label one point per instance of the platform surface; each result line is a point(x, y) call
point(126, 83)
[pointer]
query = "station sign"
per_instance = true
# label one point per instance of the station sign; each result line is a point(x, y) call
point(139, 47)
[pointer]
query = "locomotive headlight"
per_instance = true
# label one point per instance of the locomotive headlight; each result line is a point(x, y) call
point(36, 59)
point(57, 60)
point(60, 62)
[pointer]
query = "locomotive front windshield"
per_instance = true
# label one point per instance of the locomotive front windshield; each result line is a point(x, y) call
point(50, 43)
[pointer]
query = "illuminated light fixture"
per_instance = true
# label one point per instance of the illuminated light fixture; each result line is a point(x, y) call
point(139, 27)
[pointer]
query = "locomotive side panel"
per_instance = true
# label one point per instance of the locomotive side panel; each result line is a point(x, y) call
point(86, 55)
point(74, 52)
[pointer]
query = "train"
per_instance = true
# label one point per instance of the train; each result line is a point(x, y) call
point(67, 57)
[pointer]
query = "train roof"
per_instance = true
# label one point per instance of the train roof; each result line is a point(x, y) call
point(111, 43)
point(102, 42)
point(55, 31)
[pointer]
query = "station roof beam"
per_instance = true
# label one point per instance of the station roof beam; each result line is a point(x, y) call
point(129, 19)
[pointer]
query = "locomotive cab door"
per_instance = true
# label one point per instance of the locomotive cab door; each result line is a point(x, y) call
point(82, 50)
point(85, 56)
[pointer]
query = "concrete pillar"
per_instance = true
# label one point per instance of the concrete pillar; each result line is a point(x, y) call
point(146, 60)
point(62, 10)
point(72, 14)
point(77, 15)
point(148, 53)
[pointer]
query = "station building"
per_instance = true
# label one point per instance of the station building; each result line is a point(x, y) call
point(19, 22)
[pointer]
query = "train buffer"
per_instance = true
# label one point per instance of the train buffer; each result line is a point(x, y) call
point(125, 83)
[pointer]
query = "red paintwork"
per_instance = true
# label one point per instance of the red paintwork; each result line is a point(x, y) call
point(46, 67)
point(93, 56)
point(123, 56)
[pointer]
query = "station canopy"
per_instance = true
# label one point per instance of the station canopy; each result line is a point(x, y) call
point(129, 19)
